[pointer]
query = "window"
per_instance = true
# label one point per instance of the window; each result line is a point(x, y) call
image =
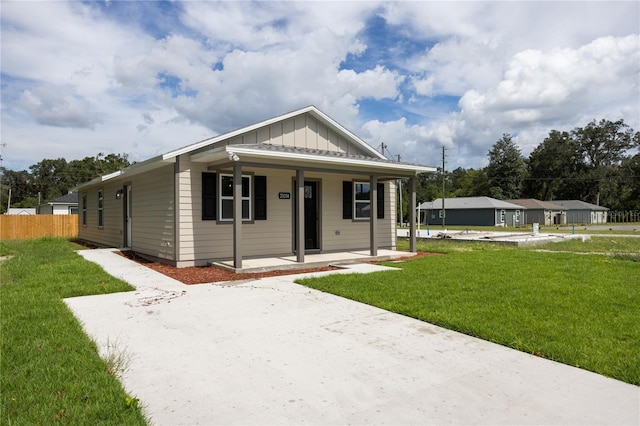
point(254, 197)
point(226, 197)
point(355, 200)
point(100, 208)
point(517, 216)
point(502, 216)
point(84, 209)
point(361, 201)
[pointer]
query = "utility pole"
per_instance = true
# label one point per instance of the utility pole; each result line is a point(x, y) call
point(382, 147)
point(400, 190)
point(443, 188)
point(2, 145)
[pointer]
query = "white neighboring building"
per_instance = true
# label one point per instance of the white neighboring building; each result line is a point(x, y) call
point(21, 211)
point(67, 204)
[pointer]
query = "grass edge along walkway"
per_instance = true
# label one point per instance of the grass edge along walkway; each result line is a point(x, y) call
point(581, 310)
point(51, 372)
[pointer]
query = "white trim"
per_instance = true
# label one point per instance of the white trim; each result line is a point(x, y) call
point(240, 150)
point(221, 198)
point(365, 202)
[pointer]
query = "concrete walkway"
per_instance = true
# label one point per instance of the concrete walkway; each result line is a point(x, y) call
point(273, 352)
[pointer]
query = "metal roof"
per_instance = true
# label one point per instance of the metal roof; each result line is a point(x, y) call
point(469, 203)
point(286, 155)
point(578, 205)
point(532, 203)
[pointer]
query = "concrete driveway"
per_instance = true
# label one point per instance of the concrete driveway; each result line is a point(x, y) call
point(273, 352)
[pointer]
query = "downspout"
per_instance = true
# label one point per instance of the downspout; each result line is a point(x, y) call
point(176, 211)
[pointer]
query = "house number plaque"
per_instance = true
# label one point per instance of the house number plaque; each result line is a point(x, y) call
point(284, 195)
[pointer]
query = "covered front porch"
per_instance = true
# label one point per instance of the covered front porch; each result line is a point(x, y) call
point(310, 172)
point(312, 260)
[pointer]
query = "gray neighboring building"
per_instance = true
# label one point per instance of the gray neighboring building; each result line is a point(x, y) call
point(66, 204)
point(474, 211)
point(581, 212)
point(542, 212)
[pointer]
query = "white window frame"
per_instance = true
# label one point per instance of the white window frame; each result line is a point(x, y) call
point(357, 203)
point(223, 197)
point(100, 208)
point(517, 216)
point(503, 216)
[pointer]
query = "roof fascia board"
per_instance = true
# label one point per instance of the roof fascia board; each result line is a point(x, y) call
point(239, 150)
point(384, 174)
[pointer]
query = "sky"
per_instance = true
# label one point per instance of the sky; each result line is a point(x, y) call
point(143, 78)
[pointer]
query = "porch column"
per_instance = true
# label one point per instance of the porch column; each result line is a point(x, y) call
point(300, 243)
point(412, 215)
point(373, 218)
point(237, 215)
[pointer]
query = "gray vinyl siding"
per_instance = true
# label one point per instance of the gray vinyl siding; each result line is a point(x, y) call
point(111, 233)
point(540, 216)
point(203, 241)
point(153, 213)
point(586, 216)
point(206, 240)
point(478, 217)
point(340, 234)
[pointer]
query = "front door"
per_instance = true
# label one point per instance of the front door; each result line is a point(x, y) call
point(311, 216)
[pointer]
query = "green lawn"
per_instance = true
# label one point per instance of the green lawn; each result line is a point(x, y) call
point(50, 370)
point(579, 309)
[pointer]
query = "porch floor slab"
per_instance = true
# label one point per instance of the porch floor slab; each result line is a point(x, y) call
point(312, 260)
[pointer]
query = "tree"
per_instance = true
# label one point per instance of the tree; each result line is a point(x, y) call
point(506, 169)
point(469, 183)
point(630, 188)
point(553, 168)
point(603, 147)
point(51, 178)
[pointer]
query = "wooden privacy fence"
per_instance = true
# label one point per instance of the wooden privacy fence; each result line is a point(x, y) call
point(22, 227)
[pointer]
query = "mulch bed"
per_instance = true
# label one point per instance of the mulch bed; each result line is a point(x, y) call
point(212, 274)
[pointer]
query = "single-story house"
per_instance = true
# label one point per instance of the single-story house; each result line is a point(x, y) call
point(542, 212)
point(265, 190)
point(66, 204)
point(21, 211)
point(581, 212)
point(473, 211)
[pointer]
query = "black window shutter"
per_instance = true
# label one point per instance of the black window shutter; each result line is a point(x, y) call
point(380, 201)
point(347, 200)
point(260, 203)
point(209, 185)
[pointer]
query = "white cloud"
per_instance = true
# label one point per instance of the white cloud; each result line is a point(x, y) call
point(81, 78)
point(56, 106)
point(552, 86)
